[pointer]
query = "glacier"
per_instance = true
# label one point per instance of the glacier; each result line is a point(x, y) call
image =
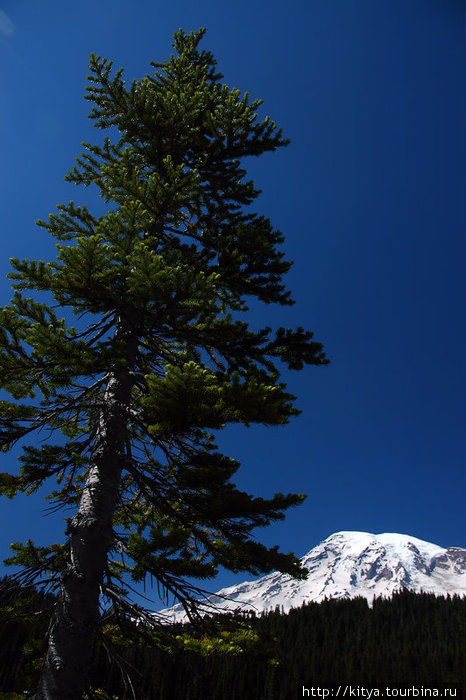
point(346, 565)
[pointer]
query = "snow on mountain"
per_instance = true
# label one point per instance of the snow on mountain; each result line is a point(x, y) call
point(346, 565)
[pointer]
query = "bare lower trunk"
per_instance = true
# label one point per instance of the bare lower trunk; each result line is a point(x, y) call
point(76, 616)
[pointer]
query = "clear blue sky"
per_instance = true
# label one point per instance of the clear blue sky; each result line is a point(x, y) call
point(370, 196)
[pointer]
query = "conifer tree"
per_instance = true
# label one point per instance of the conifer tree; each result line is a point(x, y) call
point(158, 357)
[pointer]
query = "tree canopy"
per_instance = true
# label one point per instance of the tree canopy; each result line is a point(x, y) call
point(159, 357)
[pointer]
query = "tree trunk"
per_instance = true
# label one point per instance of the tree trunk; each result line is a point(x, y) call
point(76, 615)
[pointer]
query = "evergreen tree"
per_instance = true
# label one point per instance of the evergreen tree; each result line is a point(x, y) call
point(161, 358)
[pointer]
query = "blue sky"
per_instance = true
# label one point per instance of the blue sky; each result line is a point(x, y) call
point(370, 196)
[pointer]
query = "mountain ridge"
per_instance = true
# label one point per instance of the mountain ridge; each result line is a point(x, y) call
point(348, 564)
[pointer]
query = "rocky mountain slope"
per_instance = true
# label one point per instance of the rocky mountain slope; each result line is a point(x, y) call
point(346, 565)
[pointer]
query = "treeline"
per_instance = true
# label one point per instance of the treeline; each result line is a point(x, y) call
point(410, 640)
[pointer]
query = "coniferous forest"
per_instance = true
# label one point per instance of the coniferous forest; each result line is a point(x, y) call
point(411, 640)
point(142, 335)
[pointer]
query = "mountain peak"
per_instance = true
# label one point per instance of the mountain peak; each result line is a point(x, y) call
point(345, 565)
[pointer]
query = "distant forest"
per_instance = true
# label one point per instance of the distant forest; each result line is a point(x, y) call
point(410, 640)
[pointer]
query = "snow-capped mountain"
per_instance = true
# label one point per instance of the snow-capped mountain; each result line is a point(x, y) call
point(349, 564)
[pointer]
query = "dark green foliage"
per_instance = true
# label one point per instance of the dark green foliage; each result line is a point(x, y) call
point(161, 280)
point(410, 640)
point(24, 617)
